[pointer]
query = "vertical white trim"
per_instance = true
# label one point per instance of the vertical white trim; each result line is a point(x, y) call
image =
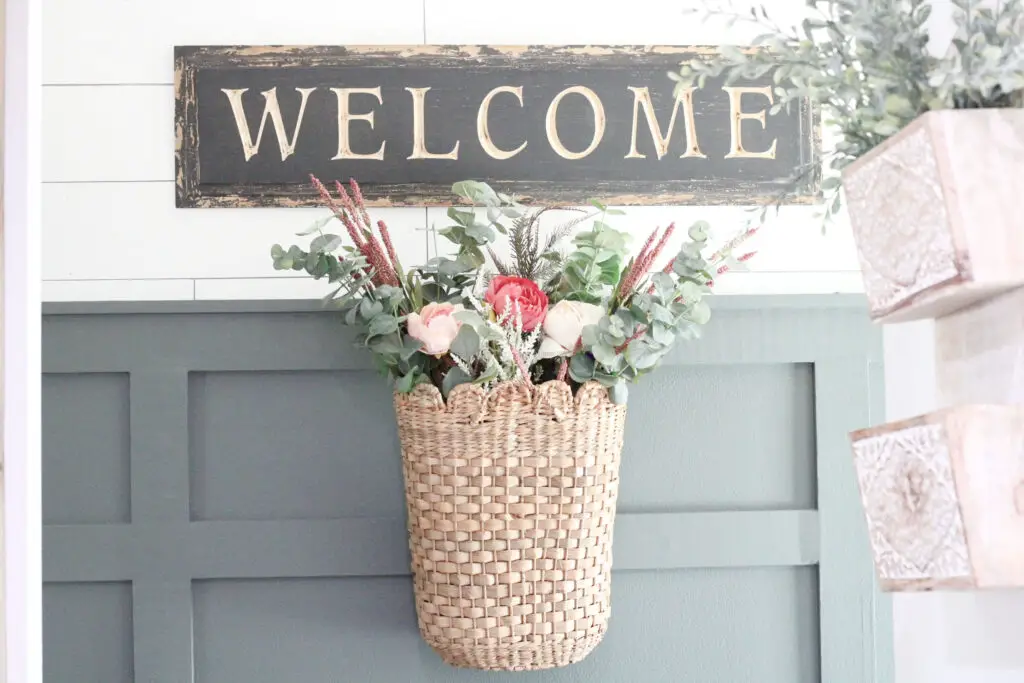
point(21, 343)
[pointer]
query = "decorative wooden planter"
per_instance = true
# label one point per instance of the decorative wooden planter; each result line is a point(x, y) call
point(511, 499)
point(936, 213)
point(935, 217)
point(944, 496)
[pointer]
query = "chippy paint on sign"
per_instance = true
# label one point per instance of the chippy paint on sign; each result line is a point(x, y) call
point(554, 125)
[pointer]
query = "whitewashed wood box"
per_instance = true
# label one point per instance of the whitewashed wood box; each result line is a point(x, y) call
point(944, 497)
point(937, 213)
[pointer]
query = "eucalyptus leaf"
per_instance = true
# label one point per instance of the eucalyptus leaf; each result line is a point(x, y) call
point(604, 354)
point(351, 316)
point(405, 383)
point(316, 226)
point(453, 378)
point(466, 343)
point(461, 216)
point(662, 333)
point(639, 314)
point(325, 243)
point(384, 345)
point(410, 346)
point(699, 313)
point(581, 367)
point(663, 315)
point(698, 230)
point(610, 270)
point(469, 317)
point(628, 321)
point(641, 355)
point(383, 324)
point(590, 336)
point(476, 192)
point(690, 291)
point(369, 308)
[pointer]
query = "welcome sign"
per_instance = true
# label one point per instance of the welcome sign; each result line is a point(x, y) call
point(555, 125)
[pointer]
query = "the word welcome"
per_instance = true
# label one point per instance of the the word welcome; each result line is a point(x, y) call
point(642, 103)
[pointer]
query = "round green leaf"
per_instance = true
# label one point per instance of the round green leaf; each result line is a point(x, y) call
point(698, 232)
point(581, 367)
point(466, 343)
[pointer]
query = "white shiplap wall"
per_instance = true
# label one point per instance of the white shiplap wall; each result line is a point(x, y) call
point(110, 228)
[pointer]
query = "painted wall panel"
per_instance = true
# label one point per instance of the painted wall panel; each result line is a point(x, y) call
point(267, 543)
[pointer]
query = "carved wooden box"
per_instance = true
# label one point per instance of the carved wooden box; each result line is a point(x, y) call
point(944, 497)
point(936, 213)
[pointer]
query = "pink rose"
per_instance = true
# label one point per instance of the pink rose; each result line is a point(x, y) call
point(505, 291)
point(435, 326)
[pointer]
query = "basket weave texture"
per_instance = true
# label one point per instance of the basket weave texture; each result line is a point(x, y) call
point(511, 499)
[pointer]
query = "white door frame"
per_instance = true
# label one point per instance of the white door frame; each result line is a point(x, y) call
point(21, 228)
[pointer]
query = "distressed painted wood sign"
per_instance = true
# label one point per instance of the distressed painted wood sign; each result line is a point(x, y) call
point(554, 125)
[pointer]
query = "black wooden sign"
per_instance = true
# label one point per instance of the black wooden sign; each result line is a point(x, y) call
point(554, 125)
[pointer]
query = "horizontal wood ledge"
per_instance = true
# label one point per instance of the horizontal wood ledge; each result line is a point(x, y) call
point(379, 546)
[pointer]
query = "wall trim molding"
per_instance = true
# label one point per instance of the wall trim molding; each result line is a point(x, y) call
point(731, 302)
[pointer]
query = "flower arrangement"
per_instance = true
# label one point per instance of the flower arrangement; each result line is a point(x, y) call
point(563, 306)
point(873, 67)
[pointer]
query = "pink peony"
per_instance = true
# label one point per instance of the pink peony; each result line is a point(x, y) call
point(506, 290)
point(435, 326)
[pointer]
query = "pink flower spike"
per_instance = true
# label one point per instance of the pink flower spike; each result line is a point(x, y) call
point(647, 245)
point(632, 274)
point(746, 257)
point(360, 204)
point(338, 211)
point(392, 254)
point(519, 364)
point(653, 256)
point(350, 208)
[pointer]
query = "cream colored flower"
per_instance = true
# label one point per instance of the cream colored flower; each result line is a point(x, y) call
point(563, 326)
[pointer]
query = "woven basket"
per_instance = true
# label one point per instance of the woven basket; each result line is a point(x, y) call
point(511, 499)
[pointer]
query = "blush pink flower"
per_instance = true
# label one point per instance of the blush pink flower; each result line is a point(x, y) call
point(507, 291)
point(435, 325)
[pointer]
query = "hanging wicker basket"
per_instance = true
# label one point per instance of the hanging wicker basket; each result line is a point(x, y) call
point(511, 499)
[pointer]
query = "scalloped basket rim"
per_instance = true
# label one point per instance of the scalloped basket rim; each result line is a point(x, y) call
point(553, 397)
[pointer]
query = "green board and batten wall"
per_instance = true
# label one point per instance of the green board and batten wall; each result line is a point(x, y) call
point(223, 504)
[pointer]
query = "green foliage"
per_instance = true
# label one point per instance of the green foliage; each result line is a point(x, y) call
point(532, 257)
point(870, 65)
point(593, 268)
point(639, 316)
point(634, 339)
